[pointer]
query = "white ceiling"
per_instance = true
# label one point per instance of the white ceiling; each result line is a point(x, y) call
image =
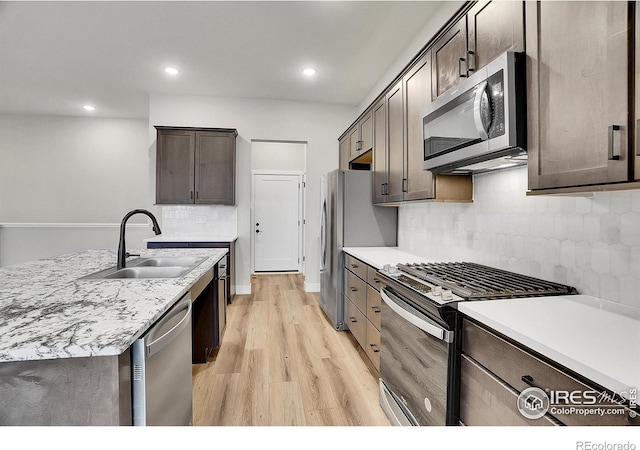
point(57, 56)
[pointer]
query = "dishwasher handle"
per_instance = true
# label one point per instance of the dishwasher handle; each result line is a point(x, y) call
point(422, 322)
point(183, 306)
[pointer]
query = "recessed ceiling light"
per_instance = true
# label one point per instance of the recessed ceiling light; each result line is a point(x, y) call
point(89, 108)
point(309, 71)
point(171, 70)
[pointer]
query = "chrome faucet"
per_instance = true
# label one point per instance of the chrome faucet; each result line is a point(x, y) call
point(122, 248)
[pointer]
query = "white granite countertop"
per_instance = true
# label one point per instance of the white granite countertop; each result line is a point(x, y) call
point(46, 312)
point(191, 238)
point(379, 256)
point(595, 338)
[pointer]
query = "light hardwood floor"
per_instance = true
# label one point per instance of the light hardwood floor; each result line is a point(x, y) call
point(282, 363)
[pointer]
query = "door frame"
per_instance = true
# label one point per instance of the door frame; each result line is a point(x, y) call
point(301, 213)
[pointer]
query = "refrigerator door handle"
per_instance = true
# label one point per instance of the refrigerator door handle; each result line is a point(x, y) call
point(323, 236)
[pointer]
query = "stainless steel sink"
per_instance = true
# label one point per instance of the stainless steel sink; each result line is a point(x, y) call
point(149, 272)
point(157, 267)
point(166, 261)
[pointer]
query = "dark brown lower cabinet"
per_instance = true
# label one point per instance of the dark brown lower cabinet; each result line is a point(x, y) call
point(495, 371)
point(203, 319)
point(209, 316)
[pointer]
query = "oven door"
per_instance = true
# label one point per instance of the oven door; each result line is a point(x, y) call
point(414, 357)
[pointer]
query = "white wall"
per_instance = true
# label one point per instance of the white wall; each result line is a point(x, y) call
point(431, 27)
point(317, 124)
point(278, 155)
point(66, 182)
point(591, 243)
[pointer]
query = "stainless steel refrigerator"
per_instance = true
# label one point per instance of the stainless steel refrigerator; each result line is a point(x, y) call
point(348, 219)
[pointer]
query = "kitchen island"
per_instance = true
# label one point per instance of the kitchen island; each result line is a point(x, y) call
point(64, 341)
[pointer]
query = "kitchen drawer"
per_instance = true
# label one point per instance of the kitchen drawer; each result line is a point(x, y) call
point(373, 279)
point(374, 303)
point(513, 364)
point(372, 349)
point(485, 400)
point(356, 290)
point(357, 323)
point(356, 266)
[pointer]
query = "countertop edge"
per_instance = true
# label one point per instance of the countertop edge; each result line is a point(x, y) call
point(223, 239)
point(379, 256)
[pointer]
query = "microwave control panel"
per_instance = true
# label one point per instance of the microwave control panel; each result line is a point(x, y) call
point(495, 88)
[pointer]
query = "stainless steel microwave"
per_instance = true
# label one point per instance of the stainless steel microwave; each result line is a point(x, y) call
point(480, 124)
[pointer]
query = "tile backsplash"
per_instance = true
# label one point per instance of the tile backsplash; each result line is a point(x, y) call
point(200, 220)
point(590, 242)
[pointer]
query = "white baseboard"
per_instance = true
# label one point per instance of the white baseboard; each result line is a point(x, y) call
point(243, 289)
point(312, 287)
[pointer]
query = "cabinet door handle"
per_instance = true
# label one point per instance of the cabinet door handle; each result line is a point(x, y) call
point(461, 73)
point(528, 379)
point(612, 155)
point(374, 347)
point(405, 185)
point(638, 137)
point(353, 289)
point(197, 194)
point(354, 266)
point(375, 309)
point(471, 56)
point(191, 195)
point(352, 319)
point(376, 280)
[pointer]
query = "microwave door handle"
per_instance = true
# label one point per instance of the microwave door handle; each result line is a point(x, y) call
point(477, 113)
point(424, 324)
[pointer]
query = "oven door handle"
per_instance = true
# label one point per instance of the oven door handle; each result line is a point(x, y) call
point(426, 325)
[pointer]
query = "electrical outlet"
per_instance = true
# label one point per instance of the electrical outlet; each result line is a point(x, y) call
point(457, 228)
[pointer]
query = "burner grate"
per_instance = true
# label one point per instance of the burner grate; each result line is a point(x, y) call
point(474, 281)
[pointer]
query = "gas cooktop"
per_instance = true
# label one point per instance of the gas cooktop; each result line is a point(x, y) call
point(458, 281)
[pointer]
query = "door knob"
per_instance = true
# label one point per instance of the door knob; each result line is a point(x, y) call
point(257, 231)
point(257, 224)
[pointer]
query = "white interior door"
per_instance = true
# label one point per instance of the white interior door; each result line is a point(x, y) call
point(277, 224)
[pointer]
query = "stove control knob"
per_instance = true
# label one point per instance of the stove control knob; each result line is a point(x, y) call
point(437, 290)
point(447, 295)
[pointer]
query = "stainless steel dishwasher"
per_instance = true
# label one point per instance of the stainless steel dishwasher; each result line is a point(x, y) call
point(161, 386)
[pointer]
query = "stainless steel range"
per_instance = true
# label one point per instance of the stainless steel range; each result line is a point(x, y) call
point(418, 357)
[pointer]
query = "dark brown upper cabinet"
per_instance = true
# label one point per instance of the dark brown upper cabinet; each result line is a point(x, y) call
point(380, 175)
point(395, 144)
point(487, 30)
point(493, 27)
point(361, 137)
point(195, 165)
point(578, 97)
point(417, 90)
point(398, 145)
point(449, 58)
point(344, 149)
